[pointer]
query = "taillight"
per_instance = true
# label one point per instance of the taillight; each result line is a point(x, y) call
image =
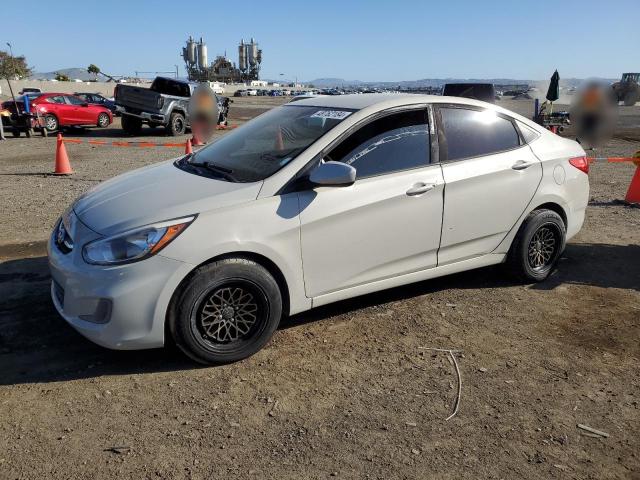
point(581, 163)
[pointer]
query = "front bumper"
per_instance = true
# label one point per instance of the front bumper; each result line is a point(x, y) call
point(131, 299)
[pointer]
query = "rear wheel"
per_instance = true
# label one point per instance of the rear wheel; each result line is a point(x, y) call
point(631, 98)
point(131, 125)
point(103, 120)
point(227, 311)
point(537, 246)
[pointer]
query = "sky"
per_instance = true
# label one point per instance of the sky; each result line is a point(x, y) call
point(350, 39)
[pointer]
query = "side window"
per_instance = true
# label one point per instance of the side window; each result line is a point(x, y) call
point(56, 99)
point(74, 100)
point(396, 142)
point(473, 133)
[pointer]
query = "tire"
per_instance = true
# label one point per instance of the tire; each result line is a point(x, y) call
point(16, 133)
point(103, 120)
point(630, 99)
point(131, 125)
point(51, 123)
point(177, 125)
point(205, 318)
point(537, 247)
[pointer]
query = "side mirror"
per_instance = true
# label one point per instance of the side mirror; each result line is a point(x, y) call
point(333, 173)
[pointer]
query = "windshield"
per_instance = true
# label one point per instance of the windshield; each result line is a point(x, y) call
point(266, 144)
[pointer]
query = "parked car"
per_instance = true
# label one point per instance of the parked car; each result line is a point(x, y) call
point(26, 90)
point(478, 91)
point(98, 99)
point(302, 96)
point(165, 103)
point(65, 110)
point(252, 92)
point(308, 204)
point(240, 93)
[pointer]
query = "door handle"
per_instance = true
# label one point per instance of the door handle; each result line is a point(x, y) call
point(521, 165)
point(420, 188)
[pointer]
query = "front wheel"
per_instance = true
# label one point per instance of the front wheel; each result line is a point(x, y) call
point(226, 312)
point(537, 246)
point(51, 123)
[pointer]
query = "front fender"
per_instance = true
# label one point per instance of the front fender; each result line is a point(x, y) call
point(268, 227)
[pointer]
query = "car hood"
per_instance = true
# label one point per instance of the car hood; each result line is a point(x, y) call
point(153, 194)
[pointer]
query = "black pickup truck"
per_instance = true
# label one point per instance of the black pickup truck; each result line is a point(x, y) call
point(165, 104)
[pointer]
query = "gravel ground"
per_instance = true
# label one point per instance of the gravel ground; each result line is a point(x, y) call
point(344, 391)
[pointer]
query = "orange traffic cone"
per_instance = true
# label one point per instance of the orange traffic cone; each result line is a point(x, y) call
point(63, 167)
point(187, 147)
point(633, 194)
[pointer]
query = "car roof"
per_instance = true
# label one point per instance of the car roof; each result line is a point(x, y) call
point(382, 101)
point(357, 101)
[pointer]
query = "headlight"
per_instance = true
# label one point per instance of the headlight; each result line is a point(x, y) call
point(134, 245)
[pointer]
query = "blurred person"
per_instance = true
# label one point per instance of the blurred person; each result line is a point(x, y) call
point(593, 114)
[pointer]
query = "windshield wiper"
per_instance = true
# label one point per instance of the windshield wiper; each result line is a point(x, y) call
point(225, 173)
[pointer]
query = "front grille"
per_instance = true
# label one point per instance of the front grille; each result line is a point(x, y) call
point(58, 291)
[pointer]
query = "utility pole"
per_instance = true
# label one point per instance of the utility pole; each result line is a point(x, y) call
point(10, 49)
point(176, 70)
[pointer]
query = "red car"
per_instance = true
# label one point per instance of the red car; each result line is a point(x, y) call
point(63, 110)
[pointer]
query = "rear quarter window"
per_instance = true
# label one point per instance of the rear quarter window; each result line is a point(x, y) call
point(528, 133)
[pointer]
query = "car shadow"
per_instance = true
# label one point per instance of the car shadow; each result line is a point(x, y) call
point(36, 344)
point(600, 265)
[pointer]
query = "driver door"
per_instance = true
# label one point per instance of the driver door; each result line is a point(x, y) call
point(384, 225)
point(81, 111)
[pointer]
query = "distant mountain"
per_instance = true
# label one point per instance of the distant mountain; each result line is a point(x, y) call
point(439, 82)
point(334, 82)
point(424, 82)
point(72, 73)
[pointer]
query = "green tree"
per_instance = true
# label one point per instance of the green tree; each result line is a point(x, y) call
point(13, 67)
point(93, 70)
point(61, 77)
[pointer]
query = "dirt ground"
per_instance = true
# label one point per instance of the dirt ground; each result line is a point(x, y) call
point(348, 390)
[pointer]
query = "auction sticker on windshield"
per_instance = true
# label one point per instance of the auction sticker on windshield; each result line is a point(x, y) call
point(335, 114)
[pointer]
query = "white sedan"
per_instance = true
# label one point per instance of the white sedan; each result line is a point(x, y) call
point(310, 203)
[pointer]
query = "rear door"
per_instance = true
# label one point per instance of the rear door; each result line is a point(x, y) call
point(61, 109)
point(490, 177)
